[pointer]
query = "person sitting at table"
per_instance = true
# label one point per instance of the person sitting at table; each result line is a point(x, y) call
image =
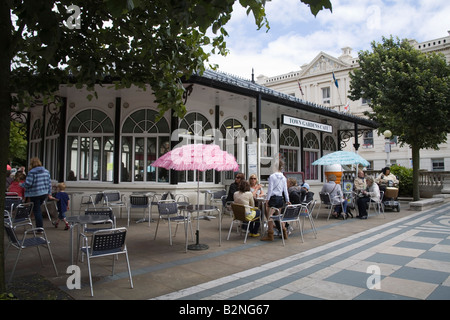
point(245, 197)
point(335, 192)
point(307, 196)
point(295, 191)
point(372, 192)
point(360, 182)
point(255, 187)
point(234, 186)
point(16, 187)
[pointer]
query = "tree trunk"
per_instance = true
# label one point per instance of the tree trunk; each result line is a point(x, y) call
point(416, 167)
point(5, 109)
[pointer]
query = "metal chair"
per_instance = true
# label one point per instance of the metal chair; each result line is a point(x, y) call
point(139, 201)
point(306, 211)
point(51, 208)
point(378, 204)
point(21, 215)
point(113, 199)
point(106, 243)
point(30, 239)
point(290, 213)
point(240, 218)
point(325, 198)
point(168, 210)
point(216, 198)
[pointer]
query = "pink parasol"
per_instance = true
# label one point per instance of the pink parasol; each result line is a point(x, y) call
point(199, 157)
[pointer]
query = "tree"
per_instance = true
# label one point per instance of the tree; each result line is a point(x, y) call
point(409, 93)
point(109, 42)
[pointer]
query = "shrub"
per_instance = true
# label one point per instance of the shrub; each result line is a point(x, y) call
point(405, 177)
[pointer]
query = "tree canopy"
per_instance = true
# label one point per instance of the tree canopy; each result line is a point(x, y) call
point(154, 43)
point(409, 94)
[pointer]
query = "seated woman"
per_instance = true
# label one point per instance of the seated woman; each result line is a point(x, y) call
point(255, 187)
point(360, 182)
point(245, 197)
point(296, 194)
point(336, 194)
point(386, 179)
point(372, 192)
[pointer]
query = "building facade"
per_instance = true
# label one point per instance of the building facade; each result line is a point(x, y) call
point(111, 141)
point(325, 81)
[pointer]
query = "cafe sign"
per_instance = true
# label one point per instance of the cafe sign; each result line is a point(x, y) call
point(297, 122)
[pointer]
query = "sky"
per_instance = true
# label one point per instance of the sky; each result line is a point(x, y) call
point(296, 37)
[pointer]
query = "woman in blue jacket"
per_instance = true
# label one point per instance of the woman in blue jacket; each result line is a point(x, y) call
point(37, 187)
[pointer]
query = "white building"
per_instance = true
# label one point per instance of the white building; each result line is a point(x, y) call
point(111, 142)
point(315, 82)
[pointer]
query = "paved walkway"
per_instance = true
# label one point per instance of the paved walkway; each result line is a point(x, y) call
point(404, 259)
point(411, 251)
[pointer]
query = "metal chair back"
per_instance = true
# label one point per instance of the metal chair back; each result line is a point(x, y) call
point(22, 215)
point(11, 202)
point(112, 196)
point(106, 242)
point(139, 201)
point(167, 208)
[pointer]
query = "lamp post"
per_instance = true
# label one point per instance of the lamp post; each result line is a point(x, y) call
point(387, 146)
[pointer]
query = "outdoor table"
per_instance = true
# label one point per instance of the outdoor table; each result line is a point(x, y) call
point(81, 220)
point(205, 208)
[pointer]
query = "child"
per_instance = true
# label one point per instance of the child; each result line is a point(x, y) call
point(63, 204)
point(15, 185)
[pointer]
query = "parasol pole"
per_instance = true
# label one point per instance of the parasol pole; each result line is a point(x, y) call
point(197, 245)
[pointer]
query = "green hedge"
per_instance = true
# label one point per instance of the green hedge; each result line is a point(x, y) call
point(405, 176)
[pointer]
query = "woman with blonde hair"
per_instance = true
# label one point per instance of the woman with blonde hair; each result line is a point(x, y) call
point(37, 187)
point(255, 187)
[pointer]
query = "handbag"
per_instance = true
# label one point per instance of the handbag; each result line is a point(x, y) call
point(249, 216)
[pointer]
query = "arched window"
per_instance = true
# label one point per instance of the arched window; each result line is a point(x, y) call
point(234, 134)
point(90, 146)
point(289, 146)
point(311, 154)
point(143, 141)
point(52, 145)
point(36, 139)
point(195, 128)
point(329, 145)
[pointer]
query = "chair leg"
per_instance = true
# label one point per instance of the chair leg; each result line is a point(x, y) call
point(156, 231)
point(246, 231)
point(129, 269)
point(301, 231)
point(282, 234)
point(231, 227)
point(15, 264)
point(90, 274)
point(51, 257)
